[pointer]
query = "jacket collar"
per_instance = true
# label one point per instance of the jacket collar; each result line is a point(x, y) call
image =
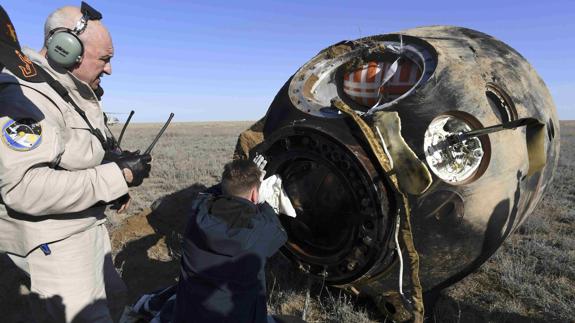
point(237, 212)
point(76, 87)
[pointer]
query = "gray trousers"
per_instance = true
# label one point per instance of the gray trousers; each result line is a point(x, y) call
point(72, 282)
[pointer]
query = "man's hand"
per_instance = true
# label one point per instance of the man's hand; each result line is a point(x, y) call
point(261, 162)
point(122, 203)
point(124, 207)
point(116, 154)
point(135, 168)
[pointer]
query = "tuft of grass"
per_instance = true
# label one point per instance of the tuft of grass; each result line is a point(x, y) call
point(288, 288)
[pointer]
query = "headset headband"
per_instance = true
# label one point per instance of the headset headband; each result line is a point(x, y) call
point(63, 45)
point(88, 13)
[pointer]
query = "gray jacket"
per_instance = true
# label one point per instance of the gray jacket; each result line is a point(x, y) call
point(51, 175)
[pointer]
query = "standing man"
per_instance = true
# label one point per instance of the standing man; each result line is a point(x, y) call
point(54, 184)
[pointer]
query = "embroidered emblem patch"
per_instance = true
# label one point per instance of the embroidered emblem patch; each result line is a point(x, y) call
point(28, 70)
point(22, 135)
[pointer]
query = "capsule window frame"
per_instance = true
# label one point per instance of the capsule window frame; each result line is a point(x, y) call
point(502, 102)
point(474, 123)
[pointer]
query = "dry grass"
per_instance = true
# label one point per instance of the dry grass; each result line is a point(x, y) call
point(530, 279)
point(288, 289)
point(188, 153)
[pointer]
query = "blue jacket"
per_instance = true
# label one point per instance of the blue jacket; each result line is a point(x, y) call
point(226, 244)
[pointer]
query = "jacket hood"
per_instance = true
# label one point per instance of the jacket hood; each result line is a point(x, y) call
point(225, 225)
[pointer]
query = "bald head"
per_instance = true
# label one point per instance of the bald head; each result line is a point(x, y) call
point(64, 17)
point(98, 48)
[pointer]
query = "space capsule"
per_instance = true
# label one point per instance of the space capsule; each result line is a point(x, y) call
point(408, 157)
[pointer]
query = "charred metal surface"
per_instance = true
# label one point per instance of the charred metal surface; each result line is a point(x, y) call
point(344, 227)
point(343, 205)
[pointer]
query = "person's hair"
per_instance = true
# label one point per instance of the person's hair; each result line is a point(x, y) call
point(239, 177)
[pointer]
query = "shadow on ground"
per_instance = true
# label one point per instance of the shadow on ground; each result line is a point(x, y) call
point(147, 248)
point(148, 244)
point(148, 252)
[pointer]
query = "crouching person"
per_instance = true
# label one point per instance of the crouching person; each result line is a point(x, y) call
point(228, 238)
point(226, 243)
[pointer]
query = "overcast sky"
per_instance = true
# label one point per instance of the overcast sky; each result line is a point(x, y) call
point(226, 60)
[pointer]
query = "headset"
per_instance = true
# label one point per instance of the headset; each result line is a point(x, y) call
point(64, 46)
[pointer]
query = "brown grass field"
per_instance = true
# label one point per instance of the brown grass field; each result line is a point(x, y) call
point(531, 278)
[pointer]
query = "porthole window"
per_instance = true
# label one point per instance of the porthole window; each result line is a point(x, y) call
point(459, 162)
point(500, 103)
point(550, 130)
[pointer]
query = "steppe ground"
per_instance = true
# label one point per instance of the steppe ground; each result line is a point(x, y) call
point(531, 278)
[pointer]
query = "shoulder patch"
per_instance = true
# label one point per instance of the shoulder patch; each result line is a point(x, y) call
point(22, 134)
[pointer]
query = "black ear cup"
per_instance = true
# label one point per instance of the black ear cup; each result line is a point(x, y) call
point(64, 47)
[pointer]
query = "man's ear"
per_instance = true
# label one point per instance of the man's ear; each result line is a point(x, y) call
point(254, 195)
point(76, 65)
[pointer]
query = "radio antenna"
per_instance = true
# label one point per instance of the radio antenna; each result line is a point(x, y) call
point(124, 128)
point(149, 150)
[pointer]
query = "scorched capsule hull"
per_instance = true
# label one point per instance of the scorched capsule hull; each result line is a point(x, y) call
point(465, 197)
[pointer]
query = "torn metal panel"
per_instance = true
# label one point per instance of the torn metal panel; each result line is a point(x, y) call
point(412, 174)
